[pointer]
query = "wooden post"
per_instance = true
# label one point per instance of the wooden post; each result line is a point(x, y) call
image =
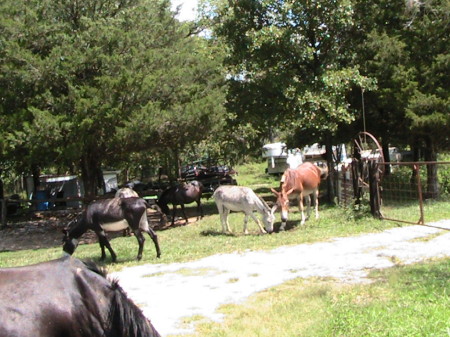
point(3, 213)
point(357, 190)
point(374, 189)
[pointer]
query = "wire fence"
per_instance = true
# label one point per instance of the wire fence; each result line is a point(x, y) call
point(412, 192)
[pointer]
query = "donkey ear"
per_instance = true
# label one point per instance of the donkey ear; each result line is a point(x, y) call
point(274, 191)
point(274, 209)
point(290, 191)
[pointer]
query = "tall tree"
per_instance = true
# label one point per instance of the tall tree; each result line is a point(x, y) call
point(429, 107)
point(289, 64)
point(404, 45)
point(97, 80)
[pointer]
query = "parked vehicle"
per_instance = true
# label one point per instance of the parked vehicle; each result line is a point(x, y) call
point(279, 157)
point(210, 175)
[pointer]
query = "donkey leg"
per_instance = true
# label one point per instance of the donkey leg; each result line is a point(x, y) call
point(302, 210)
point(308, 203)
point(174, 211)
point(154, 238)
point(103, 240)
point(220, 209)
point(184, 214)
point(227, 224)
point(316, 202)
point(199, 209)
point(102, 248)
point(245, 224)
point(223, 219)
point(258, 223)
point(141, 240)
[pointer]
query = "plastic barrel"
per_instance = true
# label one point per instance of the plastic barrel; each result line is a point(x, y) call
point(42, 195)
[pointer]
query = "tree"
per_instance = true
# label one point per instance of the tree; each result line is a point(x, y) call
point(429, 107)
point(405, 49)
point(99, 80)
point(289, 64)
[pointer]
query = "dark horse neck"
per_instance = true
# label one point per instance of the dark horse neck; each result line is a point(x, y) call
point(44, 294)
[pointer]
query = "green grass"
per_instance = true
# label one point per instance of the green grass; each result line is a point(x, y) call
point(205, 238)
point(402, 301)
point(405, 301)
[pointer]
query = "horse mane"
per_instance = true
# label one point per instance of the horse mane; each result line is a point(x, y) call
point(197, 184)
point(288, 180)
point(264, 203)
point(125, 317)
point(92, 266)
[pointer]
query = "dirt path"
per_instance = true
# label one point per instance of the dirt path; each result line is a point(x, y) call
point(169, 292)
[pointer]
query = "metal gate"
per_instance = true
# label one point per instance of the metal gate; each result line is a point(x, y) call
point(408, 186)
point(404, 195)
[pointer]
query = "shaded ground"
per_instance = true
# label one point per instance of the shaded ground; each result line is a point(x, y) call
point(44, 229)
point(34, 230)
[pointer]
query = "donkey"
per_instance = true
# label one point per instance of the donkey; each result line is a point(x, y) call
point(126, 192)
point(297, 184)
point(67, 297)
point(242, 199)
point(109, 215)
point(180, 195)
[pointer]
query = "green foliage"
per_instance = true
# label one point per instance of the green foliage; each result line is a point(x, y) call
point(88, 82)
point(403, 46)
point(288, 62)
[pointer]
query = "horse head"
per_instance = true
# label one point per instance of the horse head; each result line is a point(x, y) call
point(268, 220)
point(69, 243)
point(268, 217)
point(282, 203)
point(163, 206)
point(323, 171)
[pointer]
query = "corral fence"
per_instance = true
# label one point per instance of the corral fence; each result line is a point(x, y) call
point(409, 186)
point(62, 205)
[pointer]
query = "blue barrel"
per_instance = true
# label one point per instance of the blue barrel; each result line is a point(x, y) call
point(42, 195)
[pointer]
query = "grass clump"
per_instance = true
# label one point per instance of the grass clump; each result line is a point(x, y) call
point(402, 301)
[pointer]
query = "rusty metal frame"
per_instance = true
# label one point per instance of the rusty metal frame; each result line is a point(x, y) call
point(416, 166)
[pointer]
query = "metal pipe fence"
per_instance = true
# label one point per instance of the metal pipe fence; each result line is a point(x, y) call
point(411, 192)
point(415, 186)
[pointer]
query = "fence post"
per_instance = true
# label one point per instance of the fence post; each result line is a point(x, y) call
point(3, 213)
point(419, 191)
point(357, 190)
point(374, 189)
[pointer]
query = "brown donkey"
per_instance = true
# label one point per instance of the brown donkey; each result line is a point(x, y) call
point(297, 184)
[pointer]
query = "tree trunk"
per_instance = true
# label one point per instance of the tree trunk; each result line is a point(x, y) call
point(432, 177)
point(331, 171)
point(374, 188)
point(90, 166)
point(36, 173)
point(100, 181)
point(416, 157)
point(387, 168)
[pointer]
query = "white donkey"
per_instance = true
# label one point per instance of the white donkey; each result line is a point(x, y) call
point(126, 192)
point(242, 199)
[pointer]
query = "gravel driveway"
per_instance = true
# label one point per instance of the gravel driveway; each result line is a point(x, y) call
point(168, 292)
